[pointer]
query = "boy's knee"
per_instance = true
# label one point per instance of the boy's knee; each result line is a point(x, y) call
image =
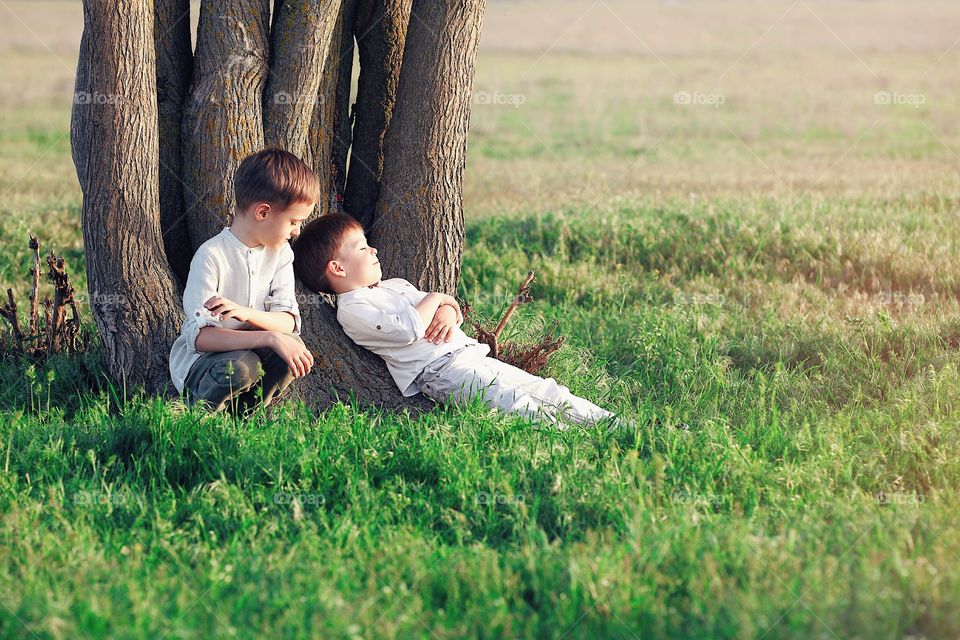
point(226, 378)
point(241, 373)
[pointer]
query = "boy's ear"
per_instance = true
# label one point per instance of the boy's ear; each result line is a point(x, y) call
point(261, 210)
point(335, 270)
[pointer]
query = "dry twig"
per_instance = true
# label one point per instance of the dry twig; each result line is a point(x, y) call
point(54, 333)
point(529, 357)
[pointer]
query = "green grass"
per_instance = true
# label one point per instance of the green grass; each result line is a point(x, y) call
point(780, 274)
point(810, 494)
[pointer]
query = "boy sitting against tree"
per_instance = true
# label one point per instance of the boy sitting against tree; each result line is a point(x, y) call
point(239, 345)
point(418, 334)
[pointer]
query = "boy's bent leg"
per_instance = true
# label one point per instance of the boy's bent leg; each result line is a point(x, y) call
point(470, 374)
point(553, 396)
point(217, 378)
point(513, 389)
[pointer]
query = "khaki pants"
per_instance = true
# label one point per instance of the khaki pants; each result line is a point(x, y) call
point(468, 372)
point(235, 378)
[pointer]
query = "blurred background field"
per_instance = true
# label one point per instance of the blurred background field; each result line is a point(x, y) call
point(742, 215)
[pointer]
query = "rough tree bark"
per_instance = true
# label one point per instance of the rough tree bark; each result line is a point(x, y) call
point(339, 74)
point(174, 68)
point(381, 27)
point(419, 229)
point(223, 116)
point(114, 136)
point(156, 167)
point(302, 31)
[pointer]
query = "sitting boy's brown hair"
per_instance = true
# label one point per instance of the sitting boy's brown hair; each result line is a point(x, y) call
point(275, 176)
point(320, 242)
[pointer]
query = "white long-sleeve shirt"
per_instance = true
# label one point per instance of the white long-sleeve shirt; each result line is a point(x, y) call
point(383, 319)
point(257, 277)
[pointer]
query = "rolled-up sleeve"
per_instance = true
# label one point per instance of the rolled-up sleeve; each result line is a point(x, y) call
point(203, 283)
point(283, 295)
point(373, 328)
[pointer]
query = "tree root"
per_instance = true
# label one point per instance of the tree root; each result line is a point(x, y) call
point(532, 358)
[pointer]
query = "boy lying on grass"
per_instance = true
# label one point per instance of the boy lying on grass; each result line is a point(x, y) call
point(418, 334)
point(239, 345)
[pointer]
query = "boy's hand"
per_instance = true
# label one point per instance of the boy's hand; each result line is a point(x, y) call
point(297, 356)
point(442, 326)
point(224, 308)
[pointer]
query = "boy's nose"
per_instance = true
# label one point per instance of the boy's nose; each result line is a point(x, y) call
point(374, 249)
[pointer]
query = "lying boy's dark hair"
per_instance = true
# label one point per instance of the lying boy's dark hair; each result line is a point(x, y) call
point(275, 176)
point(319, 243)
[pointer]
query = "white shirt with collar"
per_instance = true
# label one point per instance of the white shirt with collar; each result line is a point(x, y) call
point(257, 277)
point(382, 318)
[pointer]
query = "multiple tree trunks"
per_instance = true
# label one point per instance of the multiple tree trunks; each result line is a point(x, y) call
point(157, 144)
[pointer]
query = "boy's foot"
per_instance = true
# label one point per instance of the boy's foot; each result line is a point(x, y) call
point(617, 424)
point(614, 424)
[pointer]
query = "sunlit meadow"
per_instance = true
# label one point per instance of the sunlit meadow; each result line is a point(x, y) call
point(743, 218)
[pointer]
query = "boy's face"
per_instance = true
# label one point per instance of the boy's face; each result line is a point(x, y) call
point(357, 265)
point(276, 226)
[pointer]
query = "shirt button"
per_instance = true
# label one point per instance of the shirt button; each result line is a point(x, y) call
point(378, 327)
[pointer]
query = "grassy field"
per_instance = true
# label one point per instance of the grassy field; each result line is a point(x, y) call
point(742, 215)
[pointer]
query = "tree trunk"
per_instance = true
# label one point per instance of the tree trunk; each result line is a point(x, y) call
point(114, 138)
point(419, 229)
point(223, 119)
point(165, 153)
point(322, 122)
point(174, 68)
point(381, 27)
point(339, 135)
point(302, 30)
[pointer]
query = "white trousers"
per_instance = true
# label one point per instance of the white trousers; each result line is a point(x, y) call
point(469, 372)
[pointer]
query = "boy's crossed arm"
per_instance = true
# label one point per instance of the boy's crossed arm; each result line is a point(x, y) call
point(434, 318)
point(224, 308)
point(217, 339)
point(269, 330)
point(442, 315)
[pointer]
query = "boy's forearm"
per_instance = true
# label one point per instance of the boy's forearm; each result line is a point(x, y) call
point(427, 307)
point(217, 340)
point(281, 321)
